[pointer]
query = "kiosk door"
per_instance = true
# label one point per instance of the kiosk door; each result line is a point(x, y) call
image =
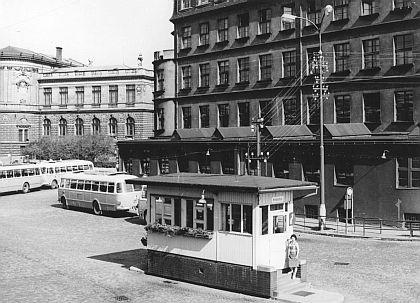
point(276, 233)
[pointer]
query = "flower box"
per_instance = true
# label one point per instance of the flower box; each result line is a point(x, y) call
point(171, 231)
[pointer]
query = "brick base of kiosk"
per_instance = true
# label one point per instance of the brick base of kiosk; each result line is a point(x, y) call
point(233, 277)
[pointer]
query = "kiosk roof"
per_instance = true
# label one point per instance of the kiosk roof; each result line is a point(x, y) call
point(252, 183)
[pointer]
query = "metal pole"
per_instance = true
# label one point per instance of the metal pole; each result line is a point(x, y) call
point(322, 208)
point(257, 129)
point(347, 212)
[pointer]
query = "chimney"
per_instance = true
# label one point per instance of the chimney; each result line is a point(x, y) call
point(59, 53)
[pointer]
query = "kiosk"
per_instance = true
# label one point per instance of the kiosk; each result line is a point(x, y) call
point(224, 231)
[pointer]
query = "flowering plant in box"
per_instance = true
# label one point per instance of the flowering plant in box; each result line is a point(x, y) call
point(171, 231)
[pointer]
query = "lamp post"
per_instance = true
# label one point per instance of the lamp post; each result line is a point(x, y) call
point(322, 209)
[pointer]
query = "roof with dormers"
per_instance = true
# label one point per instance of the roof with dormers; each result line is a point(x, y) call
point(11, 53)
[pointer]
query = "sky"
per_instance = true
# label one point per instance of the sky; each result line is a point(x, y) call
point(108, 32)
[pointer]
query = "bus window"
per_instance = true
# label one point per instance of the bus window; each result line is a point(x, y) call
point(137, 187)
point(95, 185)
point(63, 183)
point(37, 171)
point(103, 187)
point(111, 187)
point(51, 170)
point(80, 184)
point(73, 184)
point(75, 168)
point(85, 167)
point(2, 174)
point(31, 172)
point(43, 170)
point(63, 169)
point(119, 188)
point(90, 166)
point(88, 185)
point(129, 188)
point(17, 173)
point(24, 173)
point(143, 191)
point(67, 184)
point(80, 167)
point(69, 168)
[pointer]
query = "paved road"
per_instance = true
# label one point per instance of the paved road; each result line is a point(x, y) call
point(48, 254)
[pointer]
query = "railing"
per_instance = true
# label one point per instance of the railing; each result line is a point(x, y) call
point(361, 225)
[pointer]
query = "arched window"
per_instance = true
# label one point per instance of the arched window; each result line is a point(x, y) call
point(62, 127)
point(96, 126)
point(47, 127)
point(113, 127)
point(130, 127)
point(80, 128)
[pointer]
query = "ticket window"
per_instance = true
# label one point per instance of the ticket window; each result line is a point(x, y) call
point(275, 218)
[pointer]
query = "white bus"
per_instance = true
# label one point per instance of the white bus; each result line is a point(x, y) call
point(53, 170)
point(101, 192)
point(21, 177)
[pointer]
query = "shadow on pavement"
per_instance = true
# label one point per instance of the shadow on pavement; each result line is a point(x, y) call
point(114, 214)
point(135, 257)
point(136, 220)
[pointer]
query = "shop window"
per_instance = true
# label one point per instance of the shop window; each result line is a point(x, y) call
point(344, 174)
point(408, 171)
point(237, 218)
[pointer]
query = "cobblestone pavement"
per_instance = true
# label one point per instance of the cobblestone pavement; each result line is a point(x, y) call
point(48, 254)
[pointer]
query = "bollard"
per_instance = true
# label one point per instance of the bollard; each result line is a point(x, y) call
point(363, 227)
point(411, 230)
point(380, 226)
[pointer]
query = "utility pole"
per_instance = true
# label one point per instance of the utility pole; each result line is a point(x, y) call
point(256, 126)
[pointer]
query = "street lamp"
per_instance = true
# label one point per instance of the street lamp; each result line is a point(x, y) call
point(322, 210)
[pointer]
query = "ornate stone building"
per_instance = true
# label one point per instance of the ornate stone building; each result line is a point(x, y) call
point(43, 95)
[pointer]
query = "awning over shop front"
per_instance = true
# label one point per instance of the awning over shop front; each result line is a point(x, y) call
point(234, 133)
point(347, 130)
point(290, 132)
point(193, 133)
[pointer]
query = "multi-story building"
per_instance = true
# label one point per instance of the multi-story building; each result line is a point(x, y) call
point(43, 95)
point(164, 93)
point(239, 60)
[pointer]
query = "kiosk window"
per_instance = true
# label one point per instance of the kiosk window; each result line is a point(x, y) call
point(279, 224)
point(237, 218)
point(264, 225)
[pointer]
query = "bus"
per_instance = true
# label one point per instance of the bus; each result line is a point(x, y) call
point(53, 170)
point(21, 177)
point(101, 192)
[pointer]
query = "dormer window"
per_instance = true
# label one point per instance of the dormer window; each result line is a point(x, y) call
point(185, 4)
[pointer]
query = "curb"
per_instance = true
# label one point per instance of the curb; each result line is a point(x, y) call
point(356, 236)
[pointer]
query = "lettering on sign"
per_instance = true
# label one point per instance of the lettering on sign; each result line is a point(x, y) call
point(277, 200)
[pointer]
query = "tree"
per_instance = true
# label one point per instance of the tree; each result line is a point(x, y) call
point(95, 148)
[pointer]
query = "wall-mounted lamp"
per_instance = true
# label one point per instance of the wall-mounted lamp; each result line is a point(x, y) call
point(385, 154)
point(202, 199)
point(159, 200)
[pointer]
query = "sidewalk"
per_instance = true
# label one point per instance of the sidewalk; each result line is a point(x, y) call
point(334, 229)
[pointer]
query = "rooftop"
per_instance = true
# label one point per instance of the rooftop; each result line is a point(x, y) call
point(21, 54)
point(216, 181)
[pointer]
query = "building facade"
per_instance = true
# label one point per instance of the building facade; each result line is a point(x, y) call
point(237, 61)
point(164, 93)
point(43, 95)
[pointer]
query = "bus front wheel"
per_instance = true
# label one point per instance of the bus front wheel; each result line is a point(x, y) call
point(26, 188)
point(96, 208)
